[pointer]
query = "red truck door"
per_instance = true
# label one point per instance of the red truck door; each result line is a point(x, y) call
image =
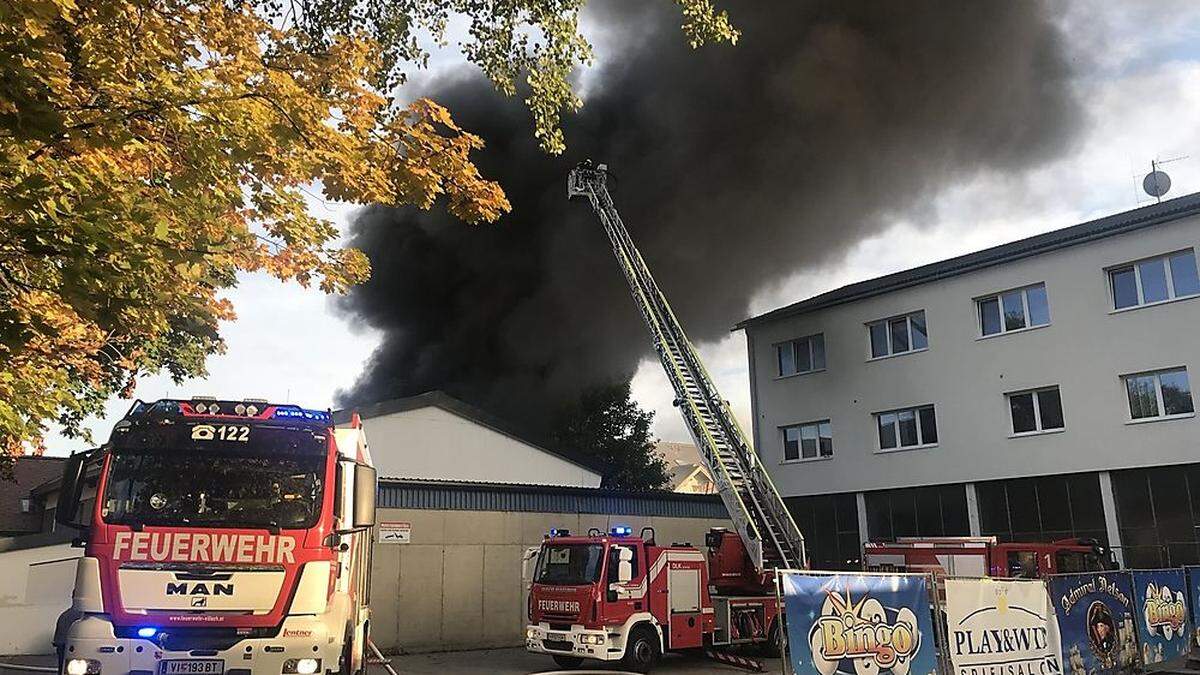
point(683, 605)
point(625, 590)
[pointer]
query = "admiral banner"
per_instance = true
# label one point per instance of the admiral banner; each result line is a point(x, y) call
point(1162, 615)
point(1193, 581)
point(854, 624)
point(1095, 622)
point(1001, 627)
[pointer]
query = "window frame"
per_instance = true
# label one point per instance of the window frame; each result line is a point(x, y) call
point(808, 340)
point(1136, 266)
point(916, 410)
point(998, 296)
point(1040, 430)
point(887, 324)
point(1162, 415)
point(800, 447)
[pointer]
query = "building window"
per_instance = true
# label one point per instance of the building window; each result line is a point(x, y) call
point(829, 524)
point(1155, 280)
point(1159, 394)
point(812, 440)
point(933, 511)
point(907, 428)
point(1042, 509)
point(1035, 411)
point(1013, 310)
point(898, 335)
point(803, 355)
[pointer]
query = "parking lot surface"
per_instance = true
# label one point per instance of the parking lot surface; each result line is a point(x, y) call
point(503, 661)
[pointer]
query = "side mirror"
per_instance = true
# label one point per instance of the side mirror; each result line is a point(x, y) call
point(365, 484)
point(70, 494)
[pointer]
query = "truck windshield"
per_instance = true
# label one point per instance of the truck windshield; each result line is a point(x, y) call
point(221, 489)
point(569, 564)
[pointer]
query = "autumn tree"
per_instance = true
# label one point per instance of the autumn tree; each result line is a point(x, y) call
point(152, 150)
point(609, 428)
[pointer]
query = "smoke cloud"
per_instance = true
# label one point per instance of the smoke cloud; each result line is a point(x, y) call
point(736, 167)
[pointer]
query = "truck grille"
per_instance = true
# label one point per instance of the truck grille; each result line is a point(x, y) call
point(559, 617)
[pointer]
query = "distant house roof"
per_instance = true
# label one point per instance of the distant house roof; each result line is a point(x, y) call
point(28, 473)
point(1108, 226)
point(440, 399)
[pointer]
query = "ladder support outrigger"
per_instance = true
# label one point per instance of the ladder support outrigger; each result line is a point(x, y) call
point(755, 507)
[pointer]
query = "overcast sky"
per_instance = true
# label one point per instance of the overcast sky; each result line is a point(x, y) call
point(1140, 79)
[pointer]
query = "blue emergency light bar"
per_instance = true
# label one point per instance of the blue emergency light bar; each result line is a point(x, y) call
point(622, 531)
point(555, 532)
point(295, 412)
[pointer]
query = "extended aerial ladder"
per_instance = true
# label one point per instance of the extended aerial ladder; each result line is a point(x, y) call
point(758, 512)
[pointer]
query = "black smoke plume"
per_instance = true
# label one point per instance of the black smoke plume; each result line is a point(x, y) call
point(736, 167)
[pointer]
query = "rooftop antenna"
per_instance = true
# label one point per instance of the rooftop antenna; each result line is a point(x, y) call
point(1157, 182)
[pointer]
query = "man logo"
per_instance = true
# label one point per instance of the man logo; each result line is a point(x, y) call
point(203, 432)
point(200, 601)
point(198, 589)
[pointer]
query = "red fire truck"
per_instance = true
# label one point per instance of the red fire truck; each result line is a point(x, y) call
point(226, 537)
point(618, 597)
point(985, 556)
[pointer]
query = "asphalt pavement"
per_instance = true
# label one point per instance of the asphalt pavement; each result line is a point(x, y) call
point(501, 661)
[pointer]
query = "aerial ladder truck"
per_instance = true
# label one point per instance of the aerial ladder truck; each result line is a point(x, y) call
point(613, 596)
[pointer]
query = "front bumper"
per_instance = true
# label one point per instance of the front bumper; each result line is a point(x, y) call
point(541, 639)
point(93, 638)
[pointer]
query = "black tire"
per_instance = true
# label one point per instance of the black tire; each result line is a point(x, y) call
point(773, 647)
point(641, 651)
point(568, 662)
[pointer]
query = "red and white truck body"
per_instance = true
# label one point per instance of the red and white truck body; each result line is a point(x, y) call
point(618, 597)
point(226, 537)
point(985, 556)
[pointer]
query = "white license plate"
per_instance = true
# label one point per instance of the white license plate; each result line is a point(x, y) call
point(561, 637)
point(192, 667)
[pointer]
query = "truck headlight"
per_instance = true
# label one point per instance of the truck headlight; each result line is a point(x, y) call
point(83, 667)
point(301, 666)
point(588, 639)
point(532, 633)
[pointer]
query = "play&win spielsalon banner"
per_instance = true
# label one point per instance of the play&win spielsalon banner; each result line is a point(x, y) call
point(1096, 622)
point(1162, 615)
point(859, 624)
point(1001, 627)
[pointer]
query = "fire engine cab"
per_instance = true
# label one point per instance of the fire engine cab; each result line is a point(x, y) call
point(985, 556)
point(617, 597)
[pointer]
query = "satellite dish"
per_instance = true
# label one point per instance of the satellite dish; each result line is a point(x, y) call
point(1156, 183)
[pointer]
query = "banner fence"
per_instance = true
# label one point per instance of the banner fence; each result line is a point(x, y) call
point(1115, 622)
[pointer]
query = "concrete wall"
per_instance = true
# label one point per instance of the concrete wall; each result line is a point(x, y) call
point(1084, 350)
point(35, 587)
point(458, 584)
point(434, 443)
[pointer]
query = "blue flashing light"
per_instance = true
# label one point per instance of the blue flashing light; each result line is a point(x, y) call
point(147, 632)
point(559, 533)
point(622, 531)
point(298, 413)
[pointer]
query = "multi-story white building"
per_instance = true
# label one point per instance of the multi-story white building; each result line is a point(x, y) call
point(1035, 390)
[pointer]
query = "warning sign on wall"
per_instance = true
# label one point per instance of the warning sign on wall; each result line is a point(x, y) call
point(395, 532)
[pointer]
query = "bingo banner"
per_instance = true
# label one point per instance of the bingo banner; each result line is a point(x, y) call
point(1001, 627)
point(859, 623)
point(1193, 581)
point(1096, 622)
point(1162, 614)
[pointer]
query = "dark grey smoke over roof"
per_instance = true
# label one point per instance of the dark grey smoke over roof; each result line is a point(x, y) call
point(736, 166)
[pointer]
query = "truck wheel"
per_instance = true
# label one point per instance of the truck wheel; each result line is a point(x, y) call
point(568, 662)
point(641, 651)
point(773, 647)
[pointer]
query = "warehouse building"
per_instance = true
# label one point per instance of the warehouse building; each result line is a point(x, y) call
point(1036, 390)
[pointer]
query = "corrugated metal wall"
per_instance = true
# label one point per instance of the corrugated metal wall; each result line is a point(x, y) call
point(544, 499)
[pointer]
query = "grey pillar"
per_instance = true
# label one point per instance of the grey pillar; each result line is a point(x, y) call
point(1110, 517)
point(972, 510)
point(861, 501)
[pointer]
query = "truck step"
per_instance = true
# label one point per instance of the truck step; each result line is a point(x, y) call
point(749, 665)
